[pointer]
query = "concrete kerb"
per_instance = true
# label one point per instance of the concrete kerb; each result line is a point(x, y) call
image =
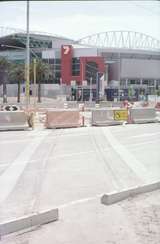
point(114, 197)
point(29, 221)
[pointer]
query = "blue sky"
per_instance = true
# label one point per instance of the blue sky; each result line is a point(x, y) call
point(79, 19)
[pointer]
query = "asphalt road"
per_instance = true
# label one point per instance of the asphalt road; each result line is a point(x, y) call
point(70, 169)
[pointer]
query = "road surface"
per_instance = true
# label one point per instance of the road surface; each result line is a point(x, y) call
point(70, 169)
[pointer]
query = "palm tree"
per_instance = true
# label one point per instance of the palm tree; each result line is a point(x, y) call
point(4, 71)
point(42, 72)
point(17, 73)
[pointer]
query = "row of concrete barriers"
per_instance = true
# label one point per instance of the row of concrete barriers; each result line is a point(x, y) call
point(100, 117)
point(113, 116)
point(65, 118)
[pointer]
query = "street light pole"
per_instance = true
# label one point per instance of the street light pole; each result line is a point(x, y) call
point(90, 95)
point(97, 87)
point(34, 78)
point(27, 59)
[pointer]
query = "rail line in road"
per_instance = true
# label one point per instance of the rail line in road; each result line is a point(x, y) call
point(11, 175)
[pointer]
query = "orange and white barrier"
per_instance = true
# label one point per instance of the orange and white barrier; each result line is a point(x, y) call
point(63, 119)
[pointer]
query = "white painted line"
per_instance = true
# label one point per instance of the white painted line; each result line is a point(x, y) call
point(135, 165)
point(114, 197)
point(72, 154)
point(11, 175)
point(143, 143)
point(145, 135)
point(83, 200)
point(33, 161)
point(14, 141)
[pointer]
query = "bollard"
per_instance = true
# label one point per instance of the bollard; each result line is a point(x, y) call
point(83, 115)
point(65, 105)
point(31, 116)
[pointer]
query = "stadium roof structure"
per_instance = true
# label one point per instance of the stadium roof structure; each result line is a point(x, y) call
point(128, 41)
point(17, 38)
point(121, 40)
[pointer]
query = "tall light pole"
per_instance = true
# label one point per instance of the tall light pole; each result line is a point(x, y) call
point(34, 78)
point(90, 95)
point(27, 58)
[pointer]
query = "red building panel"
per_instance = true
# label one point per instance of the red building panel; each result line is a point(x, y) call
point(66, 65)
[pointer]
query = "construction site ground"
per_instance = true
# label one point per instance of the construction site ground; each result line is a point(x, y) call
point(71, 169)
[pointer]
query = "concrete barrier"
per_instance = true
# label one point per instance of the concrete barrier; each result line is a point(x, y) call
point(28, 221)
point(104, 104)
point(89, 105)
point(62, 119)
point(114, 197)
point(117, 104)
point(15, 120)
point(109, 116)
point(72, 104)
point(143, 115)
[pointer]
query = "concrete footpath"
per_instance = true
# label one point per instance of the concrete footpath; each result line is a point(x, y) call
point(71, 169)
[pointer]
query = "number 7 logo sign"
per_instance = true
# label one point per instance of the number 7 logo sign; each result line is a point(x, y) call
point(66, 49)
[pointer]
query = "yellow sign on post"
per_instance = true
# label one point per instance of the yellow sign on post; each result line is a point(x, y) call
point(121, 115)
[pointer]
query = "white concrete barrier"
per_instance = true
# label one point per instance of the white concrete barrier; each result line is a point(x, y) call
point(114, 197)
point(143, 115)
point(105, 104)
point(89, 105)
point(62, 119)
point(15, 120)
point(72, 104)
point(97, 105)
point(109, 116)
point(28, 221)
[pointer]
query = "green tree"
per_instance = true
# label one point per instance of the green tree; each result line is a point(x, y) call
point(17, 74)
point(4, 74)
point(43, 72)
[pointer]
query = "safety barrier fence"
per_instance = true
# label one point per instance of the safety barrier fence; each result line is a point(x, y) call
point(75, 117)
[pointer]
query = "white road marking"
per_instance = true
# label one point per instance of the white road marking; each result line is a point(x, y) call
point(83, 200)
point(143, 143)
point(13, 141)
point(145, 135)
point(128, 158)
point(9, 178)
